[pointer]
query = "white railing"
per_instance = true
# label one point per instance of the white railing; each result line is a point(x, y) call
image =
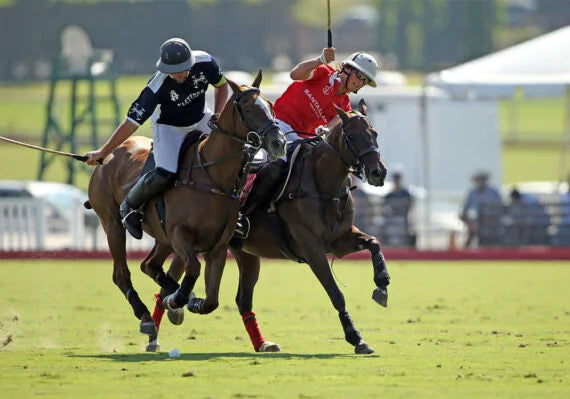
point(27, 224)
point(22, 224)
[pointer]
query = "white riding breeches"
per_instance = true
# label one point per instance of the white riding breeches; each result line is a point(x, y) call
point(167, 141)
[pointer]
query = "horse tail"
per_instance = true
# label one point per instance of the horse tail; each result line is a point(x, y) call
point(87, 205)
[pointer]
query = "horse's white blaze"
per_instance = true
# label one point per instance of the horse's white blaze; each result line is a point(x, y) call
point(263, 104)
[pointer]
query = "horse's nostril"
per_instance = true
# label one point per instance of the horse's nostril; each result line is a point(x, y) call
point(277, 143)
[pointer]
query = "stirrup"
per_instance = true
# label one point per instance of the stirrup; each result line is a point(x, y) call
point(133, 223)
point(242, 227)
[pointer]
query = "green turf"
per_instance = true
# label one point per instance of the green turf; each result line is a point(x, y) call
point(452, 330)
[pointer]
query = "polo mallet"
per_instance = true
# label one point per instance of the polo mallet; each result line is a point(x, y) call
point(329, 33)
point(81, 158)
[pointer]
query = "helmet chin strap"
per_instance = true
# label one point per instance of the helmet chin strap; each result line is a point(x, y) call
point(346, 81)
point(347, 77)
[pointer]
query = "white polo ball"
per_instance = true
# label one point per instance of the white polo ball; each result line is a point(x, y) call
point(174, 353)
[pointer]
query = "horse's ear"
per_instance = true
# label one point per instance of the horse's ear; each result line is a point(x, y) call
point(341, 113)
point(257, 80)
point(235, 87)
point(362, 107)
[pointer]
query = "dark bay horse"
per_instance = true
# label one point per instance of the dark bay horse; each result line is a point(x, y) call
point(317, 215)
point(201, 210)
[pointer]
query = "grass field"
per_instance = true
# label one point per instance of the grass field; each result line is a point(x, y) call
point(452, 330)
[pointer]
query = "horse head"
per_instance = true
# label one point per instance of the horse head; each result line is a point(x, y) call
point(252, 118)
point(359, 147)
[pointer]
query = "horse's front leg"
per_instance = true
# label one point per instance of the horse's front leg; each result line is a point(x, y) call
point(182, 242)
point(249, 267)
point(354, 241)
point(213, 271)
point(315, 255)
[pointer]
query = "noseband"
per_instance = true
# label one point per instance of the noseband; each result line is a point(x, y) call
point(356, 166)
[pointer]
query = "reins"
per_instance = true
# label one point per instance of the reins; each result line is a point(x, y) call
point(355, 166)
point(251, 145)
point(340, 198)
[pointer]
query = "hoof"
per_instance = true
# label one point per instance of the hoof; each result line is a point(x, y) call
point(363, 348)
point(169, 303)
point(380, 296)
point(176, 316)
point(153, 345)
point(148, 328)
point(269, 346)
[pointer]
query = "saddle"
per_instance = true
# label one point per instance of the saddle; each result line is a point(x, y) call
point(274, 222)
point(189, 140)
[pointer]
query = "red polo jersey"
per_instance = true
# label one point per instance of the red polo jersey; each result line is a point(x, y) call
point(307, 104)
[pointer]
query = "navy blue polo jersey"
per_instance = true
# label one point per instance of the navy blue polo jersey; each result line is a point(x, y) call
point(178, 104)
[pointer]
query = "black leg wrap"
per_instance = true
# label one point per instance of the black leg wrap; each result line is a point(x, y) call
point(195, 305)
point(182, 294)
point(381, 276)
point(166, 282)
point(138, 307)
point(351, 334)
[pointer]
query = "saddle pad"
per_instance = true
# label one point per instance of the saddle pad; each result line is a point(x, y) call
point(246, 188)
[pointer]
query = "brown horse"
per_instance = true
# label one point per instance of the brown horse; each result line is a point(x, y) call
point(201, 210)
point(316, 214)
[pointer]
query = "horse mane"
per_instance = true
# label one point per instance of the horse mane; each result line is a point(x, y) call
point(138, 147)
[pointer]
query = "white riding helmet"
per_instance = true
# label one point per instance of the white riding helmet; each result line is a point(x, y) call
point(364, 63)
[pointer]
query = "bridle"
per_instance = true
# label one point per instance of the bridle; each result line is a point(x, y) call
point(255, 136)
point(354, 166)
point(251, 145)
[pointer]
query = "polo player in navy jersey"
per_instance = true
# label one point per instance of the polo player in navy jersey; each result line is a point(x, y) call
point(175, 100)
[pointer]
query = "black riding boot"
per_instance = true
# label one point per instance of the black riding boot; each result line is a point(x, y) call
point(148, 186)
point(266, 182)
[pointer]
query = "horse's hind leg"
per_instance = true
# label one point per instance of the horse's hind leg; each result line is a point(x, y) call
point(116, 240)
point(355, 241)
point(249, 266)
point(152, 266)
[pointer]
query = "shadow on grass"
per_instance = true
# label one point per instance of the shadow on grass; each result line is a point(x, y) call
point(161, 356)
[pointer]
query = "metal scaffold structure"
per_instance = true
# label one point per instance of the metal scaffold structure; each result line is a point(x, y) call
point(81, 69)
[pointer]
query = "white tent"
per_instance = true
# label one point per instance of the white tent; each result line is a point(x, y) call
point(541, 67)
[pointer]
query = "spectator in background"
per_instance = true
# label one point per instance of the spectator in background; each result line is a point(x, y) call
point(397, 205)
point(565, 204)
point(480, 203)
point(561, 235)
point(527, 220)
